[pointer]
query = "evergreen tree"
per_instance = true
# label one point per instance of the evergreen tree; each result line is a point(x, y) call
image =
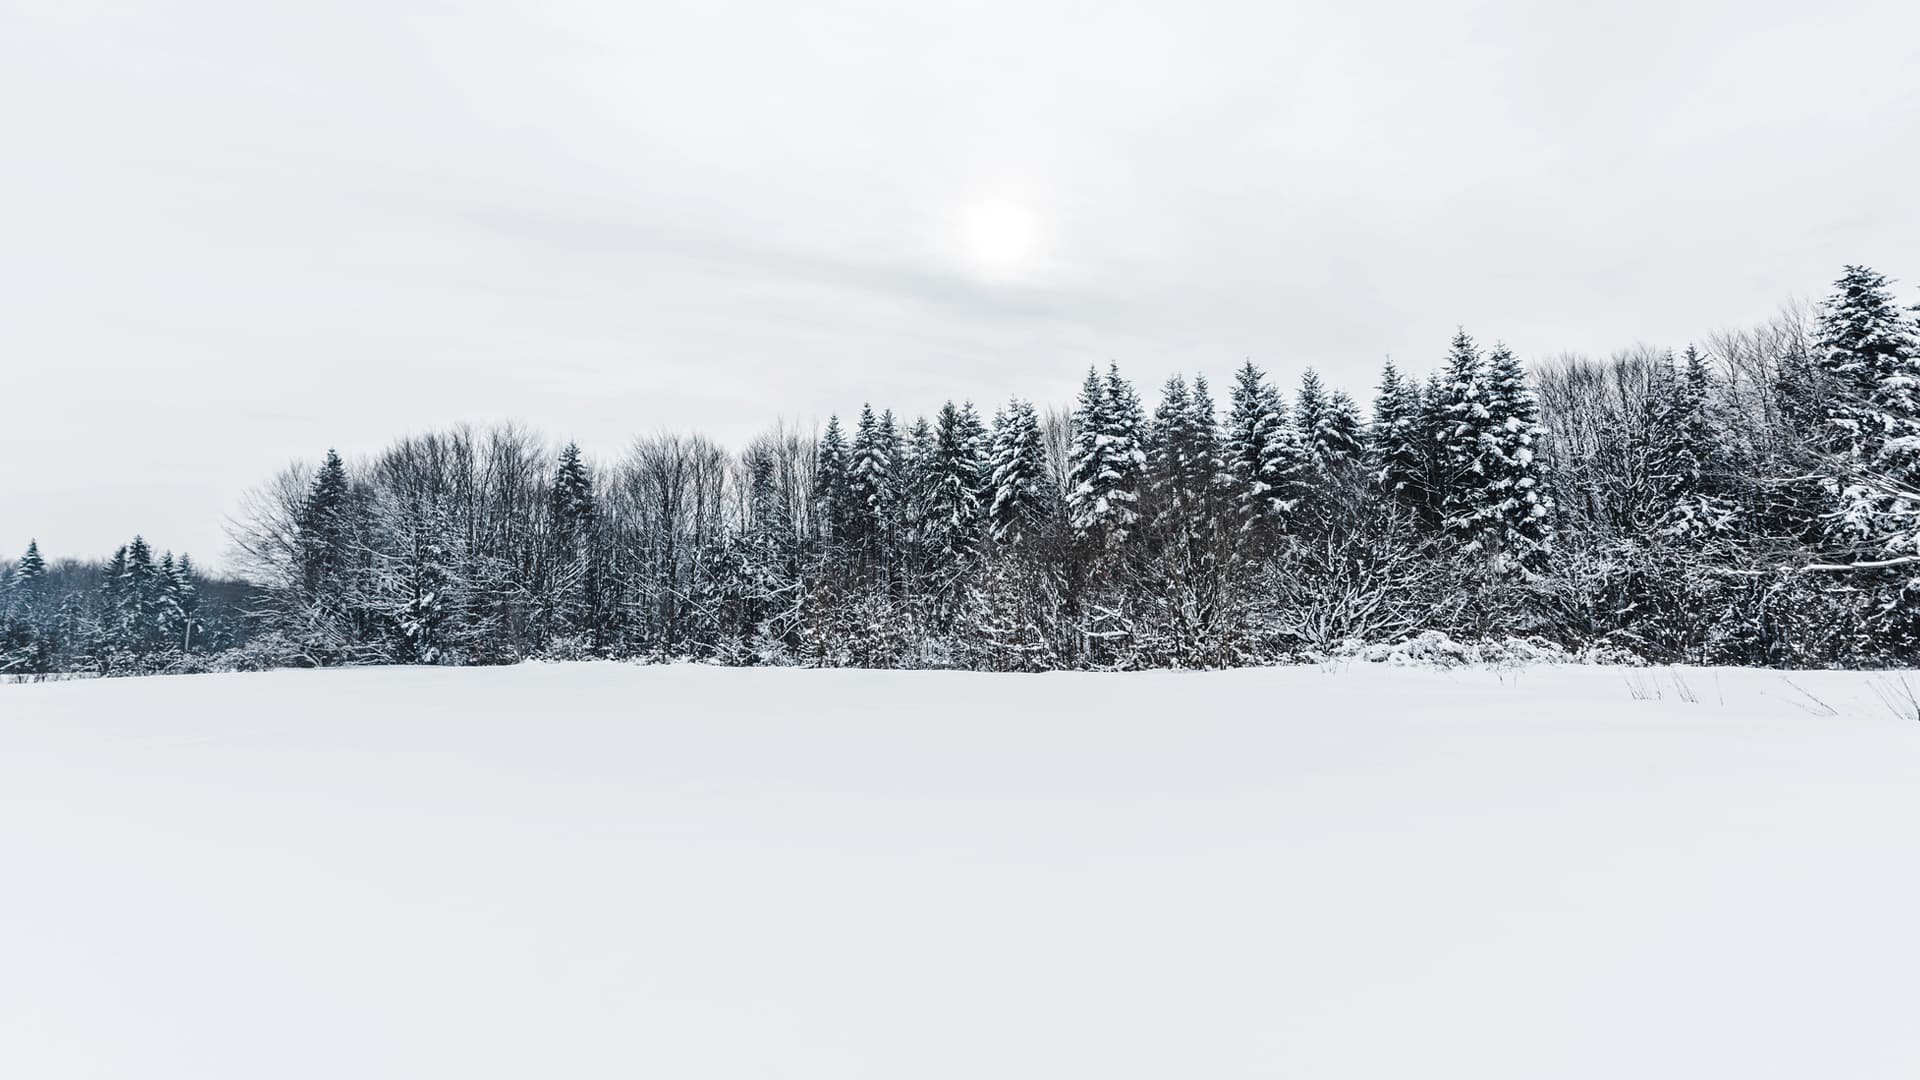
point(1263, 458)
point(1686, 465)
point(1396, 454)
point(140, 599)
point(1183, 458)
point(1327, 426)
point(869, 482)
point(1107, 462)
point(953, 502)
point(916, 487)
point(1518, 509)
point(1018, 466)
point(1869, 353)
point(31, 570)
point(573, 509)
point(184, 595)
point(1468, 495)
point(571, 502)
point(830, 489)
point(323, 527)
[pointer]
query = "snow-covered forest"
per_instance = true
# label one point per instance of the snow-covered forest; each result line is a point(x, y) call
point(1748, 500)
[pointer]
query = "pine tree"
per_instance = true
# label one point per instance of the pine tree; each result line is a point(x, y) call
point(916, 487)
point(31, 570)
point(573, 509)
point(1018, 466)
point(869, 482)
point(1396, 454)
point(1869, 353)
point(571, 502)
point(830, 491)
point(418, 589)
point(1519, 511)
point(1263, 458)
point(323, 526)
point(1208, 462)
point(953, 501)
point(185, 595)
point(1327, 426)
point(1183, 458)
point(1687, 456)
point(1310, 418)
point(1107, 462)
point(1466, 495)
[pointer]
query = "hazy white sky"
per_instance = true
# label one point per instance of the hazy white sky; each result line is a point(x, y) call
point(233, 233)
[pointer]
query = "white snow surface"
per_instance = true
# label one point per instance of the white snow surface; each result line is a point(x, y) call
point(602, 870)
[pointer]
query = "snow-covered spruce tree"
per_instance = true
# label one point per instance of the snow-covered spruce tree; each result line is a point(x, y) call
point(1207, 456)
point(832, 497)
point(1107, 462)
point(1020, 487)
point(1869, 353)
point(323, 525)
point(325, 623)
point(1467, 495)
point(953, 500)
point(183, 593)
point(1690, 459)
point(767, 580)
point(31, 571)
point(916, 479)
point(1181, 469)
point(869, 483)
point(141, 601)
point(1328, 426)
point(1396, 452)
point(576, 567)
point(1263, 458)
point(415, 590)
point(1520, 511)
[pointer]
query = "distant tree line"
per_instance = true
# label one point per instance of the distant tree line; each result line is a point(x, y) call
point(1751, 501)
point(136, 613)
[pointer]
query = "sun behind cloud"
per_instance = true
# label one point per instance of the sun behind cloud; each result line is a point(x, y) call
point(1000, 239)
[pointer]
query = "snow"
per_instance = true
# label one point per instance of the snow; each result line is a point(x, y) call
point(605, 870)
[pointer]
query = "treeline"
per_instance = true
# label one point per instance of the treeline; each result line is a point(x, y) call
point(1750, 501)
point(137, 613)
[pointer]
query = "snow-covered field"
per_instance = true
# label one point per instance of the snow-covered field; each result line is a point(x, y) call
point(611, 871)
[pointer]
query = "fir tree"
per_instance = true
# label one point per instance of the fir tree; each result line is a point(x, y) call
point(953, 501)
point(1869, 354)
point(573, 509)
point(1183, 458)
point(1518, 509)
point(830, 490)
point(1396, 454)
point(1263, 458)
point(571, 502)
point(1467, 495)
point(323, 526)
point(31, 570)
point(1107, 461)
point(869, 482)
point(1686, 460)
point(1018, 466)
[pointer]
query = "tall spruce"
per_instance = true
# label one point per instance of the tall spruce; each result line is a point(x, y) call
point(1396, 454)
point(1468, 495)
point(953, 501)
point(1263, 457)
point(1107, 462)
point(1519, 510)
point(1019, 473)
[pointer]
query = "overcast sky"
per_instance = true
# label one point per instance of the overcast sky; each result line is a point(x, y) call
point(234, 232)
